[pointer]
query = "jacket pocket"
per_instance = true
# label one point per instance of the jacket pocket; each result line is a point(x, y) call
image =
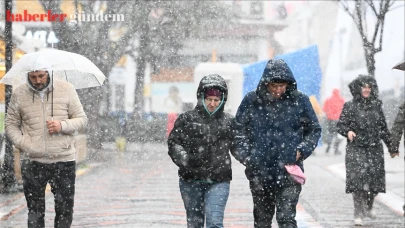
point(33, 148)
point(60, 142)
point(68, 141)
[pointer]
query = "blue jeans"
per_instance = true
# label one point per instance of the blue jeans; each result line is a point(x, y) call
point(204, 201)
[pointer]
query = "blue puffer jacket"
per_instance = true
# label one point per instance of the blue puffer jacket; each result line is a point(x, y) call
point(269, 131)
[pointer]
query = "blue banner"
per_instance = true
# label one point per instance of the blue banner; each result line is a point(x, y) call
point(304, 64)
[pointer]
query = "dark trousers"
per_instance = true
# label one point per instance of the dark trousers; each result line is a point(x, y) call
point(61, 177)
point(267, 200)
point(363, 202)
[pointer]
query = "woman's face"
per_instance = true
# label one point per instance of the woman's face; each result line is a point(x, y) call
point(365, 91)
point(212, 103)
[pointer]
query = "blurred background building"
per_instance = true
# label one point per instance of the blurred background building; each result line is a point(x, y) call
point(260, 30)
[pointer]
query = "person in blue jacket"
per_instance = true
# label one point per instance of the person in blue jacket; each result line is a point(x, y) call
point(275, 126)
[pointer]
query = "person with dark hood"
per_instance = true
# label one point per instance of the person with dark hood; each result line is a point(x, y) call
point(275, 126)
point(332, 108)
point(46, 143)
point(362, 121)
point(199, 145)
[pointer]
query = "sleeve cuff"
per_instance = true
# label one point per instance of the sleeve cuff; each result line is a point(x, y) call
point(63, 125)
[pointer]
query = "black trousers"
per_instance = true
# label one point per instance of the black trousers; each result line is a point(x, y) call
point(363, 202)
point(266, 200)
point(61, 177)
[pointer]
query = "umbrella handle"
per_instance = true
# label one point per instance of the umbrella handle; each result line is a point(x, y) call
point(52, 96)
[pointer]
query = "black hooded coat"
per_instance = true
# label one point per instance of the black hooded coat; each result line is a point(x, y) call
point(199, 143)
point(364, 160)
point(270, 131)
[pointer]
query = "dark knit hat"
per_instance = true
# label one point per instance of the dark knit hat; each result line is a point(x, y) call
point(212, 92)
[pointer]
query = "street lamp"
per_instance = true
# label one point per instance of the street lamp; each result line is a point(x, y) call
point(9, 179)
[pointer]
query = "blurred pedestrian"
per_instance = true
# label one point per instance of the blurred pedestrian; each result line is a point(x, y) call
point(362, 121)
point(199, 145)
point(398, 129)
point(173, 105)
point(332, 108)
point(46, 143)
point(275, 126)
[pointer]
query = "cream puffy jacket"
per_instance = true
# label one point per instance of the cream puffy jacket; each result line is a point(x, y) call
point(26, 118)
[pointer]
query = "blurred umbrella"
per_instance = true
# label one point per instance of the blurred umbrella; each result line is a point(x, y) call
point(71, 67)
point(400, 65)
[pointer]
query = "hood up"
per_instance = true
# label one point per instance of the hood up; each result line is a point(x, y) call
point(48, 87)
point(276, 70)
point(360, 81)
point(212, 81)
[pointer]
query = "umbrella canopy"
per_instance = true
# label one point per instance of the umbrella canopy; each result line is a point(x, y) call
point(400, 65)
point(71, 67)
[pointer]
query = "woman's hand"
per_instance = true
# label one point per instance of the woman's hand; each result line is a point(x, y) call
point(393, 155)
point(351, 135)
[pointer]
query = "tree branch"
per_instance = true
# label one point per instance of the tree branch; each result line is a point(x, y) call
point(345, 6)
point(360, 23)
point(381, 37)
point(382, 7)
point(383, 12)
point(372, 6)
point(391, 3)
point(377, 26)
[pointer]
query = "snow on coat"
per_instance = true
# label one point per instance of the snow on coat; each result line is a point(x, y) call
point(199, 143)
point(364, 160)
point(269, 131)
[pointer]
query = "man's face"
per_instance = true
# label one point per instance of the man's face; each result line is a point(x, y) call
point(212, 103)
point(277, 89)
point(38, 79)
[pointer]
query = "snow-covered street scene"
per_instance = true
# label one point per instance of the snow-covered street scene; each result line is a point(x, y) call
point(226, 113)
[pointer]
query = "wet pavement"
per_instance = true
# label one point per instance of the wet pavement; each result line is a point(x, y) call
point(139, 188)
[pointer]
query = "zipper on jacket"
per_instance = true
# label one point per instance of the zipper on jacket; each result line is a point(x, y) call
point(208, 155)
point(44, 116)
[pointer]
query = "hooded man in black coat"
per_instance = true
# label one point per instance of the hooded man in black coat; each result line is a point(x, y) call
point(275, 126)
